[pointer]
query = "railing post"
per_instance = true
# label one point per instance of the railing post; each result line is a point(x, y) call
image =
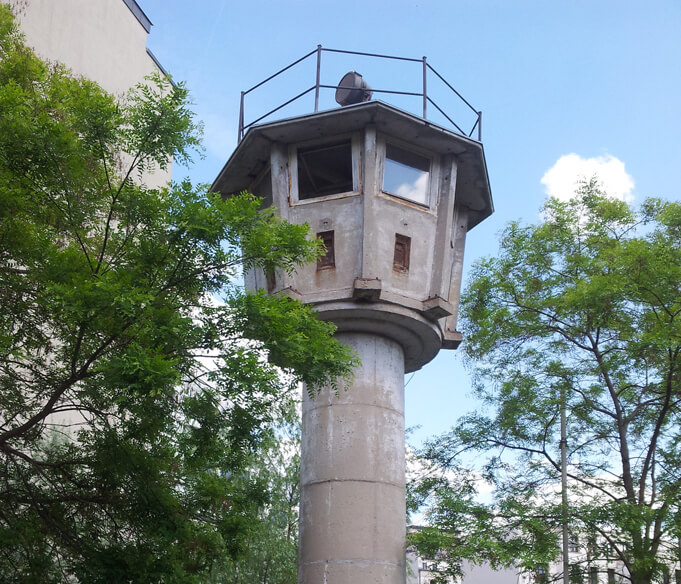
point(425, 93)
point(316, 87)
point(241, 117)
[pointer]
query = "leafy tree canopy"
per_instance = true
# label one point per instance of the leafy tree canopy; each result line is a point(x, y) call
point(271, 554)
point(583, 311)
point(136, 378)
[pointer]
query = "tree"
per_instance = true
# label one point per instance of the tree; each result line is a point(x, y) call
point(136, 377)
point(271, 555)
point(582, 311)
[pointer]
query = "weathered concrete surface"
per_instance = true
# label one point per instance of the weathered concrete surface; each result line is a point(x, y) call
point(391, 287)
point(353, 513)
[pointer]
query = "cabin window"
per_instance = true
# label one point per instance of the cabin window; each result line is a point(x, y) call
point(324, 169)
point(406, 175)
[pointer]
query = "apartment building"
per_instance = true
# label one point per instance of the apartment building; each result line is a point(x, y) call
point(103, 40)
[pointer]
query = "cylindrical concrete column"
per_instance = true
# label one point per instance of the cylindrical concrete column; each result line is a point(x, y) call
point(352, 507)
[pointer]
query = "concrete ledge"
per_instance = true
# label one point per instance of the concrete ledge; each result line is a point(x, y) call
point(368, 290)
point(436, 308)
point(419, 337)
point(452, 339)
point(291, 293)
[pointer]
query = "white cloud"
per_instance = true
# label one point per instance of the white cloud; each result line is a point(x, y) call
point(562, 179)
point(416, 191)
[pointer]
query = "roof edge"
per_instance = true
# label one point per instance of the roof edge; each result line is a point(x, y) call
point(141, 17)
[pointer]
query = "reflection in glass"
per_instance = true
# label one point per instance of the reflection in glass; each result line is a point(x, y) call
point(406, 174)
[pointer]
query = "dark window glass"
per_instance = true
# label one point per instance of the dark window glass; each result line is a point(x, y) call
point(406, 174)
point(325, 170)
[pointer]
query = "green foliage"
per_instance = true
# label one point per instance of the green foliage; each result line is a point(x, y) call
point(271, 548)
point(132, 399)
point(582, 310)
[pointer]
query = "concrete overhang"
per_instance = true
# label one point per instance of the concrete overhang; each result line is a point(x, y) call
point(252, 154)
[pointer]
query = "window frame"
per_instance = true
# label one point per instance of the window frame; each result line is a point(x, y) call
point(434, 173)
point(355, 145)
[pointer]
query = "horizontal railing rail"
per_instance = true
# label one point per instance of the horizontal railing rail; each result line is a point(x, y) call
point(318, 86)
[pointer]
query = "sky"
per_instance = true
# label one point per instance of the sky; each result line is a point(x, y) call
point(568, 89)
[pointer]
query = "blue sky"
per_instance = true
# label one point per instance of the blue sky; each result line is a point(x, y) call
point(572, 87)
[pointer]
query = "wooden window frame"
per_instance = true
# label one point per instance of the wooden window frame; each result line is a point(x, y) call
point(433, 182)
point(355, 145)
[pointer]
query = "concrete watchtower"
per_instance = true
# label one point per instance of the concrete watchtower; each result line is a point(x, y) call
point(392, 196)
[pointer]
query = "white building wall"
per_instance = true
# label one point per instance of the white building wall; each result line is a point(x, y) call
point(420, 571)
point(103, 40)
point(99, 39)
point(484, 574)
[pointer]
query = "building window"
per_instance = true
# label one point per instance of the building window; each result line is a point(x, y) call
point(328, 260)
point(593, 575)
point(611, 576)
point(324, 169)
point(573, 544)
point(406, 175)
point(402, 252)
point(542, 575)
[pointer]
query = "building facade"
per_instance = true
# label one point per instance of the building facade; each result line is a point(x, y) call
point(584, 569)
point(102, 40)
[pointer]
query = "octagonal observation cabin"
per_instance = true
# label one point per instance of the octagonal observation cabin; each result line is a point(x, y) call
point(391, 194)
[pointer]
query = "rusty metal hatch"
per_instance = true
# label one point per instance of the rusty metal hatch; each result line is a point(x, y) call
point(402, 252)
point(328, 260)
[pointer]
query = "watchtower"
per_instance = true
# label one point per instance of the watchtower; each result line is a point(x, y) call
point(392, 195)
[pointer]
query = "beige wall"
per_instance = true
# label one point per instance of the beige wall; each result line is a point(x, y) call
point(99, 39)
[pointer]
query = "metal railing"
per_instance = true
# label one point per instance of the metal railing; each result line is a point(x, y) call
point(426, 99)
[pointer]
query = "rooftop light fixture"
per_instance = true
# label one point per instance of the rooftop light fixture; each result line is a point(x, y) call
point(352, 89)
